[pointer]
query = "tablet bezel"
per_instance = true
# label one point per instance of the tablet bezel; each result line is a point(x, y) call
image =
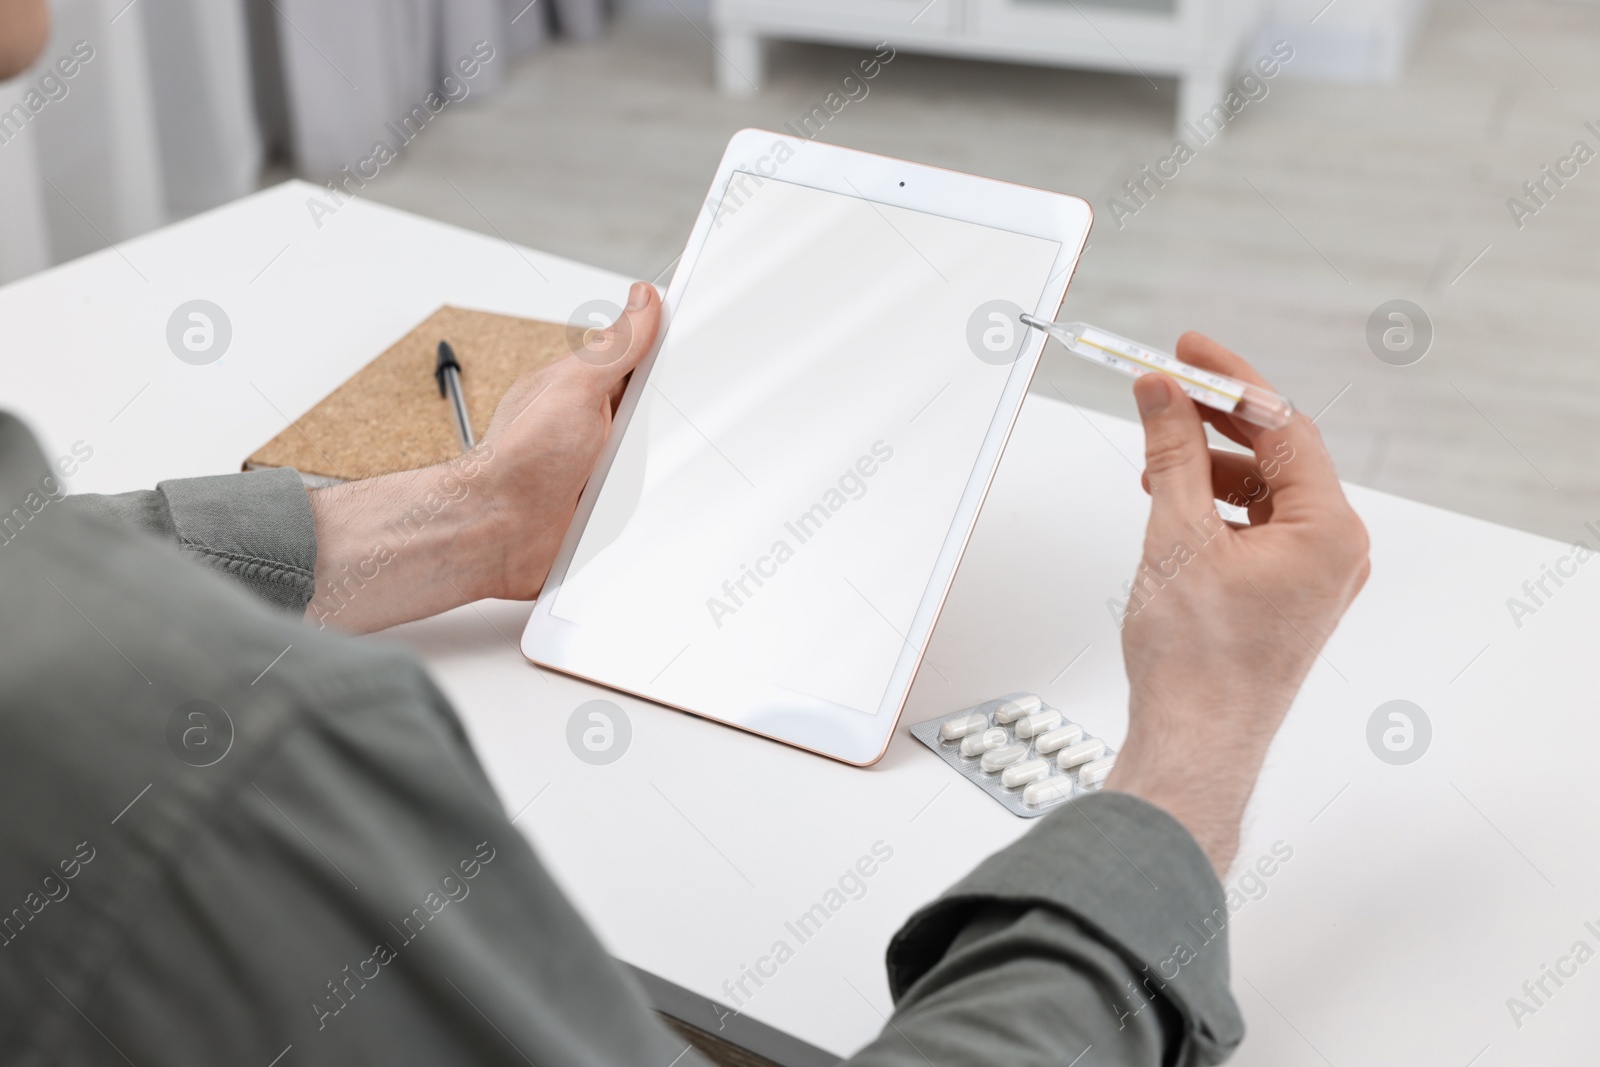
point(841, 733)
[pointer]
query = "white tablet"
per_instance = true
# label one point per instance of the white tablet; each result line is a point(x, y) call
point(795, 470)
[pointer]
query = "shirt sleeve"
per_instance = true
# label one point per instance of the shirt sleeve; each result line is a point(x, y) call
point(1104, 928)
point(253, 528)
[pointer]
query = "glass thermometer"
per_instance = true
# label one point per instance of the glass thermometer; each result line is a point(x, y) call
point(1240, 399)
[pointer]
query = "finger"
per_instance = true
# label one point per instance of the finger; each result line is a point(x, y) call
point(1305, 480)
point(609, 355)
point(1236, 480)
point(1199, 350)
point(1225, 424)
point(1177, 460)
point(616, 393)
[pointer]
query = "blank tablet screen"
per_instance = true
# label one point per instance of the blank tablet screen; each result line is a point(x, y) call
point(772, 518)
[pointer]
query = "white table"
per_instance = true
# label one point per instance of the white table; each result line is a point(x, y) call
point(1418, 899)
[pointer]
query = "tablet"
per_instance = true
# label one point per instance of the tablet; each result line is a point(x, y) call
point(795, 470)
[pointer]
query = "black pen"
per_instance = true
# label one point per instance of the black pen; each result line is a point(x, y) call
point(448, 372)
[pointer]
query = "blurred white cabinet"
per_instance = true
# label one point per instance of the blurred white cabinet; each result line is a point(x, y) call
point(1196, 41)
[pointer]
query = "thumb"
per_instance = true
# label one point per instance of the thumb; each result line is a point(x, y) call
point(1177, 457)
point(608, 355)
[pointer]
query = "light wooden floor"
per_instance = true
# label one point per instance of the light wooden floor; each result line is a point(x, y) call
point(1280, 239)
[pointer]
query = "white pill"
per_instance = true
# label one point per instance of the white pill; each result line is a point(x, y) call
point(1082, 752)
point(963, 726)
point(1037, 723)
point(1059, 738)
point(1048, 791)
point(1025, 772)
point(1091, 775)
point(994, 759)
point(1011, 710)
point(973, 744)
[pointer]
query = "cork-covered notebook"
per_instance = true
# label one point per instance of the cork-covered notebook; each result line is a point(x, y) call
point(390, 417)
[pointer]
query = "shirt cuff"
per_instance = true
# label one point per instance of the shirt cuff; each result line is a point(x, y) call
point(1127, 872)
point(254, 527)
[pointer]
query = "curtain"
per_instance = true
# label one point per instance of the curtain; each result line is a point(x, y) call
point(24, 238)
point(80, 140)
point(355, 70)
point(171, 106)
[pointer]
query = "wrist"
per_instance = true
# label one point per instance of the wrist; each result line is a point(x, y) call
point(1208, 804)
point(1199, 765)
point(403, 546)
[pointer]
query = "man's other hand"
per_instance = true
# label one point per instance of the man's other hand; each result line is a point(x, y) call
point(1223, 623)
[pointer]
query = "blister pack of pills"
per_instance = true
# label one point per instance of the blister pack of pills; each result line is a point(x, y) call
point(1021, 751)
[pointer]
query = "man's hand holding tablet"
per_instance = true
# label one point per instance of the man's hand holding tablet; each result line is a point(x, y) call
point(497, 514)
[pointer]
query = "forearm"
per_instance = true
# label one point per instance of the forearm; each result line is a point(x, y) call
point(403, 546)
point(1197, 738)
point(1190, 759)
point(360, 557)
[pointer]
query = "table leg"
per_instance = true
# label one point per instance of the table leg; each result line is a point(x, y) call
point(1199, 90)
point(741, 61)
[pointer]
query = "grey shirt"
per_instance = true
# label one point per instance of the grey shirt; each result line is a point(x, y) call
point(228, 838)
